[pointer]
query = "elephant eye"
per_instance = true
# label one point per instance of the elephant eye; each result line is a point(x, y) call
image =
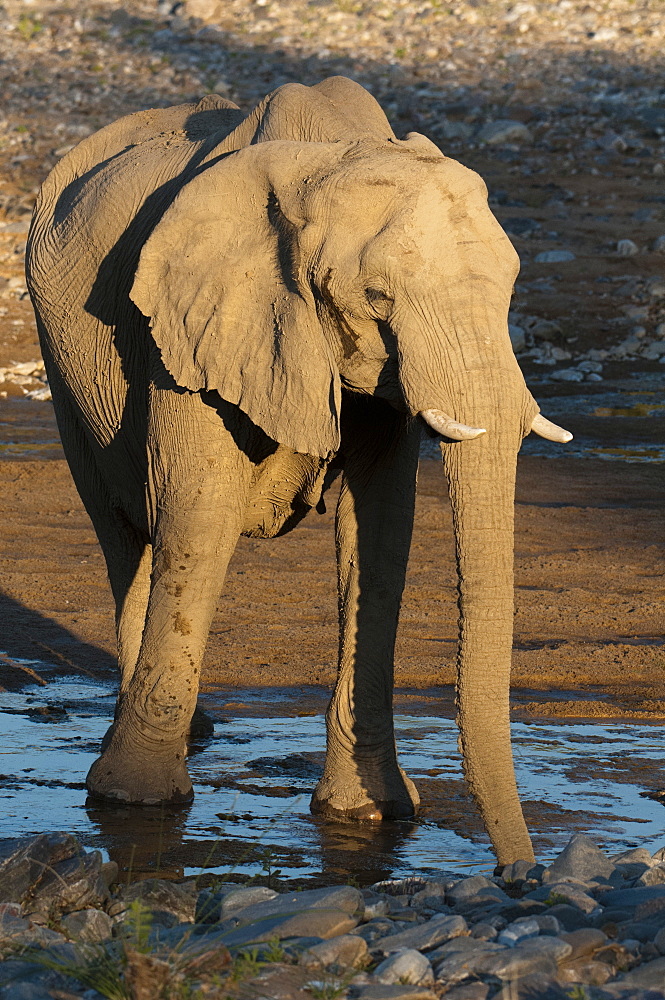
point(376, 295)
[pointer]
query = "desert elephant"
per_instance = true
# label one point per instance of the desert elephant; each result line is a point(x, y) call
point(232, 307)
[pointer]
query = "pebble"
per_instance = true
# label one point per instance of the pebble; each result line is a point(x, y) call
point(609, 934)
point(626, 248)
point(568, 375)
point(554, 257)
point(87, 925)
point(405, 966)
point(503, 130)
point(425, 936)
point(659, 244)
point(347, 951)
point(170, 904)
point(517, 337)
point(656, 287)
point(580, 859)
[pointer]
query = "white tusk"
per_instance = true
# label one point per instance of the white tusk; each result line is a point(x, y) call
point(546, 429)
point(443, 424)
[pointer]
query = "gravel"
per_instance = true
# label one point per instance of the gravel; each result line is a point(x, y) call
point(557, 104)
point(586, 919)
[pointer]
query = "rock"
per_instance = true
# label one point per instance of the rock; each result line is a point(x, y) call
point(518, 930)
point(380, 991)
point(406, 966)
point(483, 932)
point(87, 925)
point(656, 287)
point(109, 869)
point(318, 922)
point(511, 963)
point(211, 907)
point(24, 862)
point(631, 898)
point(590, 367)
point(517, 337)
point(503, 130)
point(652, 876)
point(580, 859)
point(431, 898)
point(566, 892)
point(584, 941)
point(348, 951)
point(626, 248)
point(554, 947)
point(637, 930)
point(536, 986)
point(545, 329)
point(567, 375)
point(659, 940)
point(568, 916)
point(425, 936)
point(456, 130)
point(554, 257)
point(521, 226)
point(471, 888)
point(650, 975)
point(169, 903)
point(15, 227)
point(517, 871)
point(458, 965)
point(340, 897)
point(659, 244)
point(73, 884)
point(376, 905)
point(585, 971)
point(548, 924)
point(469, 991)
point(376, 929)
point(205, 10)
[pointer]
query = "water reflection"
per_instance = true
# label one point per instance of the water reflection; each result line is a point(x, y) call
point(143, 842)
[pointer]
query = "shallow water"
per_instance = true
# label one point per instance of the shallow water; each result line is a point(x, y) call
point(620, 420)
point(254, 778)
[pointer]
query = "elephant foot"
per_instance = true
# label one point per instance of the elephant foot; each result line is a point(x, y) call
point(201, 727)
point(347, 798)
point(139, 778)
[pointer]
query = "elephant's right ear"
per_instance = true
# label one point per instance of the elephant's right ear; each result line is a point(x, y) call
point(230, 307)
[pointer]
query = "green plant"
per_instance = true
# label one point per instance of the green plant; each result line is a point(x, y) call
point(27, 28)
point(97, 968)
point(578, 992)
point(274, 952)
point(266, 867)
point(328, 989)
point(554, 898)
point(246, 965)
point(137, 926)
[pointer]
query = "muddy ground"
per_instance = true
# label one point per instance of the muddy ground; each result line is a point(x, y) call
point(587, 80)
point(589, 613)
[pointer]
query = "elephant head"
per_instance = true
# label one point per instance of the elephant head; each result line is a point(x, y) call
point(288, 270)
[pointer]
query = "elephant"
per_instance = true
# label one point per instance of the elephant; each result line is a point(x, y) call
point(233, 308)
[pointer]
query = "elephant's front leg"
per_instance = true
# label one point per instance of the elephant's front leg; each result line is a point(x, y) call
point(199, 509)
point(362, 778)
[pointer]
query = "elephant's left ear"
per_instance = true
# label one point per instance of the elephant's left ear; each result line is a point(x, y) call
point(230, 308)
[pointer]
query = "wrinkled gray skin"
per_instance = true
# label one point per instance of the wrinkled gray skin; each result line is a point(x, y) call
point(230, 308)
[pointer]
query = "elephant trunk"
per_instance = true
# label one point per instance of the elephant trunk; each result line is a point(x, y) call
point(481, 478)
point(468, 372)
